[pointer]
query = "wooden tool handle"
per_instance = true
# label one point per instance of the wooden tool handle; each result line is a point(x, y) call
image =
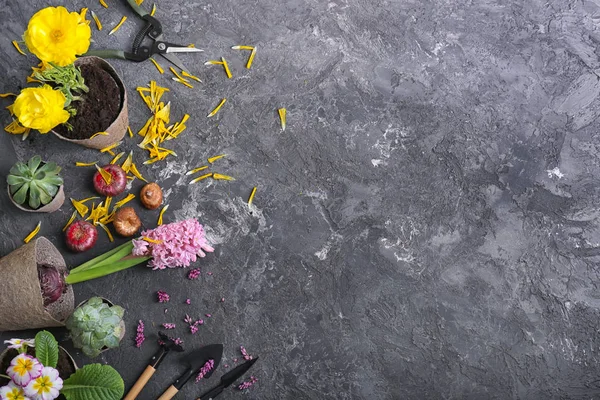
point(140, 383)
point(169, 393)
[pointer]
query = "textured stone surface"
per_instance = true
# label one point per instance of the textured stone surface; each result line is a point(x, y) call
point(426, 228)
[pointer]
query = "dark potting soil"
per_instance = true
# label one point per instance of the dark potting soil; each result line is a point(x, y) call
point(97, 109)
point(64, 366)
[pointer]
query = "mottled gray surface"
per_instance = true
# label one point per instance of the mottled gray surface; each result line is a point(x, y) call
point(426, 228)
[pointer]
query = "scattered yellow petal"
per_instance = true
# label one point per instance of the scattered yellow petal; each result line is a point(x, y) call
point(130, 131)
point(99, 133)
point(201, 178)
point(136, 173)
point(192, 45)
point(251, 196)
point(85, 164)
point(213, 62)
point(83, 13)
point(197, 170)
point(110, 236)
point(124, 201)
point(282, 116)
point(153, 10)
point(185, 83)
point(147, 239)
point(29, 79)
point(108, 149)
point(97, 21)
point(107, 202)
point(242, 48)
point(105, 175)
point(81, 208)
point(176, 74)
point(16, 44)
point(4, 95)
point(157, 65)
point(103, 4)
point(251, 58)
point(33, 233)
point(127, 163)
point(188, 75)
point(116, 28)
point(227, 71)
point(160, 216)
point(139, 2)
point(220, 177)
point(16, 128)
point(117, 157)
point(73, 216)
point(215, 158)
point(216, 110)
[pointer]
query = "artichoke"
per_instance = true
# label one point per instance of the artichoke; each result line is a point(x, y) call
point(34, 182)
point(96, 325)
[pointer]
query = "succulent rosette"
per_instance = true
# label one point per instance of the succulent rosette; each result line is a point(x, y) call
point(12, 392)
point(23, 368)
point(46, 386)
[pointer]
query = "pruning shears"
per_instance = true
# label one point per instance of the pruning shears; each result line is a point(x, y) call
point(153, 30)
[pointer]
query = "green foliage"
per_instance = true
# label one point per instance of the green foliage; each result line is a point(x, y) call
point(67, 79)
point(95, 325)
point(34, 182)
point(94, 382)
point(46, 349)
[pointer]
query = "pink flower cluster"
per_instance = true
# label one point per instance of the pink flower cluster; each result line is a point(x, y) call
point(179, 244)
point(139, 337)
point(194, 274)
point(245, 353)
point(168, 325)
point(163, 297)
point(248, 383)
point(206, 368)
point(193, 324)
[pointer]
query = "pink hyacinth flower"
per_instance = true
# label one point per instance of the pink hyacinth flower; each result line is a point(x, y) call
point(23, 368)
point(173, 245)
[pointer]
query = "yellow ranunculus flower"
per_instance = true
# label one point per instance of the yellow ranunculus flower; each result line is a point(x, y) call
point(41, 108)
point(56, 35)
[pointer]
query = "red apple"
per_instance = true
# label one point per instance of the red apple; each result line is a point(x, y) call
point(117, 184)
point(81, 236)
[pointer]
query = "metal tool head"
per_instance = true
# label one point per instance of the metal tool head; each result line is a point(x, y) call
point(197, 358)
point(168, 344)
point(237, 372)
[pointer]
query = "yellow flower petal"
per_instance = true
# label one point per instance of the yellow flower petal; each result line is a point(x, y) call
point(160, 216)
point(103, 4)
point(215, 158)
point(251, 58)
point(4, 95)
point(85, 164)
point(99, 133)
point(108, 149)
point(130, 131)
point(217, 108)
point(127, 163)
point(15, 128)
point(220, 177)
point(124, 201)
point(16, 44)
point(105, 175)
point(83, 13)
point(196, 170)
point(139, 2)
point(73, 216)
point(201, 178)
point(185, 83)
point(117, 157)
point(33, 233)
point(81, 208)
point(213, 62)
point(282, 117)
point(137, 174)
point(227, 71)
point(97, 21)
point(188, 75)
point(147, 239)
point(116, 28)
point(157, 65)
point(153, 10)
point(110, 236)
point(252, 196)
point(242, 48)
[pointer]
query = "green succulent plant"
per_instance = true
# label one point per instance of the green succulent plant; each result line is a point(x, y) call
point(34, 182)
point(95, 325)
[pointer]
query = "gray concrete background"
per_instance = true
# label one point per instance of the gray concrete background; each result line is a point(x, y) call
point(427, 226)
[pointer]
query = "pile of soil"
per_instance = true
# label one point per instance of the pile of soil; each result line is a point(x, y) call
point(97, 109)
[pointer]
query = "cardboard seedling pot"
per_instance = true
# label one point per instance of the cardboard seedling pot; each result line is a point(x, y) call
point(21, 302)
point(116, 131)
point(54, 205)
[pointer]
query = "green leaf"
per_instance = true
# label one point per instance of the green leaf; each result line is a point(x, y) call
point(34, 163)
point(34, 196)
point(21, 195)
point(94, 382)
point(51, 190)
point(15, 180)
point(94, 273)
point(46, 349)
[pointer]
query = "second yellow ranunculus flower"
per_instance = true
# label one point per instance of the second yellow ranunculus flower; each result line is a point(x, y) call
point(58, 36)
point(41, 108)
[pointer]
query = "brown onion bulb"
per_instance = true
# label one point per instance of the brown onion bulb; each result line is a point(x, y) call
point(127, 222)
point(151, 196)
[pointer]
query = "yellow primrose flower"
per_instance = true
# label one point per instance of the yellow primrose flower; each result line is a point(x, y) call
point(56, 35)
point(40, 108)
